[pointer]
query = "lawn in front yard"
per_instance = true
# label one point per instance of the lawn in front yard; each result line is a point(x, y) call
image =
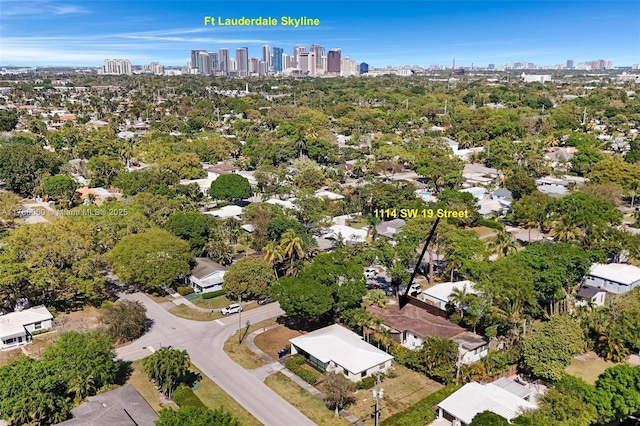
point(183, 311)
point(401, 391)
point(144, 386)
point(271, 341)
point(239, 352)
point(308, 404)
point(213, 303)
point(588, 367)
point(214, 397)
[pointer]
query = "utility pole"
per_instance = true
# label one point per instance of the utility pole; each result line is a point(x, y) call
point(377, 394)
point(240, 320)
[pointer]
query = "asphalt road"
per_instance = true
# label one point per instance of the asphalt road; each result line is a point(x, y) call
point(204, 342)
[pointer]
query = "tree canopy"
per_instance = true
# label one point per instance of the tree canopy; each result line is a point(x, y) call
point(230, 187)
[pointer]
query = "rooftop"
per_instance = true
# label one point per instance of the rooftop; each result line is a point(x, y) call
point(205, 267)
point(444, 290)
point(617, 272)
point(474, 398)
point(344, 347)
point(418, 321)
point(13, 323)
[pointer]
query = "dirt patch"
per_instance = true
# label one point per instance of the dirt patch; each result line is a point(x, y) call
point(7, 357)
point(271, 341)
point(85, 320)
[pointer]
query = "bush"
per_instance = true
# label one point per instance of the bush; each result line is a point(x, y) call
point(366, 383)
point(106, 304)
point(183, 291)
point(490, 223)
point(423, 412)
point(213, 294)
point(184, 397)
point(295, 365)
point(126, 320)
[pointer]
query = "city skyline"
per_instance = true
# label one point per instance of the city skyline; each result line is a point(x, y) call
point(73, 33)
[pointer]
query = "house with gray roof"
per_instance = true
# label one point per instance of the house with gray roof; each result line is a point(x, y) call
point(207, 276)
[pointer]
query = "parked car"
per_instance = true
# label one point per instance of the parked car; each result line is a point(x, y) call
point(370, 272)
point(415, 289)
point(265, 301)
point(234, 308)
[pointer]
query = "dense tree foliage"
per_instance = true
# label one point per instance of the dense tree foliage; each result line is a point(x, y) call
point(231, 187)
point(125, 321)
point(23, 166)
point(166, 367)
point(249, 278)
point(192, 416)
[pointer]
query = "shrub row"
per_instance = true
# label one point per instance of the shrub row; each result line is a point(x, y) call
point(183, 291)
point(366, 383)
point(184, 397)
point(423, 412)
point(490, 223)
point(213, 294)
point(295, 364)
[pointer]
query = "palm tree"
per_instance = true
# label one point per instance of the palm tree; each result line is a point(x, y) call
point(291, 245)
point(565, 230)
point(459, 297)
point(502, 244)
point(273, 254)
point(634, 186)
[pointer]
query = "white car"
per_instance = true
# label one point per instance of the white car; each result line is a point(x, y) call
point(234, 308)
point(370, 272)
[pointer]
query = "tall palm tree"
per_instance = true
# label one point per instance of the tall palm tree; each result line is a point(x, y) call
point(565, 230)
point(503, 243)
point(291, 246)
point(460, 298)
point(273, 254)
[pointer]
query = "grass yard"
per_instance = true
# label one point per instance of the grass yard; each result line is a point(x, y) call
point(588, 367)
point(358, 223)
point(240, 353)
point(159, 299)
point(214, 397)
point(141, 382)
point(6, 357)
point(483, 231)
point(308, 405)
point(400, 392)
point(214, 303)
point(273, 340)
point(183, 311)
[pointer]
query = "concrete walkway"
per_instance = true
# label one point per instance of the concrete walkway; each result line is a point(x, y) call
point(181, 300)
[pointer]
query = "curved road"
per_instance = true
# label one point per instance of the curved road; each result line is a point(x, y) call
point(204, 342)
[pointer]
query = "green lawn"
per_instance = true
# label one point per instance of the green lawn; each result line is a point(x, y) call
point(214, 303)
point(186, 312)
point(144, 386)
point(240, 353)
point(308, 404)
point(588, 367)
point(214, 397)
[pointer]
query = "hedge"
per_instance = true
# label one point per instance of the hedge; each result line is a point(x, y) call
point(295, 365)
point(422, 412)
point(183, 291)
point(213, 294)
point(366, 383)
point(184, 397)
point(490, 223)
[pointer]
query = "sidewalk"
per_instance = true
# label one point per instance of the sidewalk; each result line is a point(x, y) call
point(181, 300)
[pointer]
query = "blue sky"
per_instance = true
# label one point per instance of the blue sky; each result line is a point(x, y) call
point(51, 32)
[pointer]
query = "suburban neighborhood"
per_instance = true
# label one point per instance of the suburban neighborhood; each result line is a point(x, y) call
point(444, 246)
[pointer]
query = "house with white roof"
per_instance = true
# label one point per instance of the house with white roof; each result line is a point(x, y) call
point(16, 328)
point(207, 276)
point(336, 349)
point(617, 278)
point(347, 234)
point(473, 398)
point(439, 294)
point(227, 211)
point(328, 195)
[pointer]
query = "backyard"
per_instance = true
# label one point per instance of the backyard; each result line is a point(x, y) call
point(588, 366)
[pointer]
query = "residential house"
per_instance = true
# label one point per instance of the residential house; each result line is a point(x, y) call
point(328, 195)
point(552, 186)
point(478, 174)
point(17, 328)
point(473, 398)
point(227, 211)
point(97, 195)
point(336, 349)
point(347, 234)
point(590, 296)
point(439, 294)
point(390, 227)
point(502, 194)
point(123, 406)
point(213, 172)
point(411, 325)
point(617, 278)
point(207, 276)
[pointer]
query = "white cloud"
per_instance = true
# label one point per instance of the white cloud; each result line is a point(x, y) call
point(19, 8)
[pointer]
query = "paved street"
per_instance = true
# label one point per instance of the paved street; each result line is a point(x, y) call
point(204, 342)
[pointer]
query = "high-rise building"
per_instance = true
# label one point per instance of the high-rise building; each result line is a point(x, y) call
point(266, 54)
point(215, 63)
point(297, 50)
point(224, 61)
point(364, 68)
point(116, 67)
point(570, 63)
point(333, 61)
point(319, 53)
point(242, 59)
point(263, 68)
point(204, 63)
point(277, 59)
point(253, 65)
point(491, 66)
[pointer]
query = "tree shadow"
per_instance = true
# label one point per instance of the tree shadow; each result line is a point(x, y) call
point(124, 372)
point(191, 378)
point(301, 324)
point(148, 324)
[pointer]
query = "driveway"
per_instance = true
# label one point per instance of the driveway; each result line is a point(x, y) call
point(204, 342)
